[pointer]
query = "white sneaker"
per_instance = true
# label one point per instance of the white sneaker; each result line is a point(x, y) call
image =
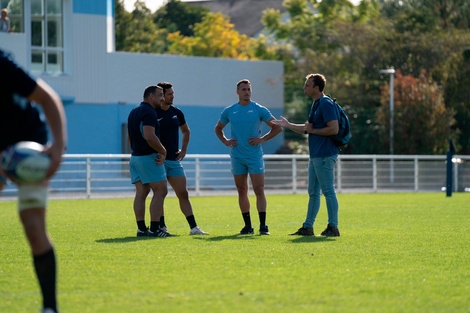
point(197, 231)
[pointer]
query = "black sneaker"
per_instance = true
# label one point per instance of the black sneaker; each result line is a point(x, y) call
point(159, 233)
point(331, 231)
point(264, 230)
point(141, 233)
point(247, 231)
point(303, 231)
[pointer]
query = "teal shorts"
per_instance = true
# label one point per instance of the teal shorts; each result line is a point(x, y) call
point(174, 168)
point(145, 169)
point(242, 166)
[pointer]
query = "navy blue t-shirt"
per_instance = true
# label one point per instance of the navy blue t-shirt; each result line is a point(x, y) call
point(143, 115)
point(170, 122)
point(19, 119)
point(323, 110)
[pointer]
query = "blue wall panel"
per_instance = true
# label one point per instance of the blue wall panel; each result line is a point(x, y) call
point(97, 129)
point(96, 7)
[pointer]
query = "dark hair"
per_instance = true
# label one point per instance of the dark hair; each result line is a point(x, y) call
point(150, 90)
point(243, 81)
point(165, 86)
point(318, 80)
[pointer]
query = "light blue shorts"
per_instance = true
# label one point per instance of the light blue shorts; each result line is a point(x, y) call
point(242, 166)
point(174, 168)
point(145, 169)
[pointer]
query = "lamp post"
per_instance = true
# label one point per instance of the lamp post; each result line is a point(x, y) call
point(391, 72)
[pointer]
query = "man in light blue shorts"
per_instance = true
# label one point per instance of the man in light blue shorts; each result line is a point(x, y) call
point(246, 118)
point(172, 121)
point(146, 164)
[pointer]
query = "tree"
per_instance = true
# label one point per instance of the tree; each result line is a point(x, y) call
point(215, 36)
point(136, 32)
point(422, 123)
point(179, 16)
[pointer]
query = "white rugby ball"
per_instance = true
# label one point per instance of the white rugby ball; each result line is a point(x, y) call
point(24, 162)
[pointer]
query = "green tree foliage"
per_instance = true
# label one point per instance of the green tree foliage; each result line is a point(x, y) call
point(136, 32)
point(215, 36)
point(351, 44)
point(422, 123)
point(179, 16)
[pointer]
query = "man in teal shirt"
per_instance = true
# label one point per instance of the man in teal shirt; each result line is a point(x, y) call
point(246, 118)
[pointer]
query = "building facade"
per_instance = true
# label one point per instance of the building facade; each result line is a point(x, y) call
point(70, 45)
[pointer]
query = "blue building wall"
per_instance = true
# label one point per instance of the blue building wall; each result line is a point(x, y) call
point(97, 129)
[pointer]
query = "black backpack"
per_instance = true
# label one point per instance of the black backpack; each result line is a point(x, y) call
point(344, 133)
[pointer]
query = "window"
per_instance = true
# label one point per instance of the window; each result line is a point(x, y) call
point(15, 14)
point(47, 46)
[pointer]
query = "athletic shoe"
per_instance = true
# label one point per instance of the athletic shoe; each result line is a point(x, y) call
point(264, 230)
point(247, 231)
point(141, 233)
point(164, 228)
point(159, 233)
point(304, 231)
point(331, 231)
point(48, 310)
point(197, 231)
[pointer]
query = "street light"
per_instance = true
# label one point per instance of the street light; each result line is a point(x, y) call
point(391, 72)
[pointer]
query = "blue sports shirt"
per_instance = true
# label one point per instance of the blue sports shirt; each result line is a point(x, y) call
point(245, 122)
point(170, 122)
point(19, 119)
point(143, 115)
point(323, 110)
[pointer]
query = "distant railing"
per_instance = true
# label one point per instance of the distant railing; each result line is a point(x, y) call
point(107, 175)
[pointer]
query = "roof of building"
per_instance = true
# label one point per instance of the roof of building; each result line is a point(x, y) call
point(244, 14)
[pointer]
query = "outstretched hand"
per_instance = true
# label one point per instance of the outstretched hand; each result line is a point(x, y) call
point(283, 122)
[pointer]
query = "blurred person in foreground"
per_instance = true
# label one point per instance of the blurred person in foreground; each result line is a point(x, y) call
point(20, 120)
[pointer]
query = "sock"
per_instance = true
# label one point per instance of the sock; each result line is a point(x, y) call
point(192, 221)
point(45, 267)
point(162, 221)
point(154, 226)
point(262, 218)
point(247, 219)
point(141, 225)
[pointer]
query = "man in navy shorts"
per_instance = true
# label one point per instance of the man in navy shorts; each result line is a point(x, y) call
point(246, 118)
point(146, 163)
point(21, 121)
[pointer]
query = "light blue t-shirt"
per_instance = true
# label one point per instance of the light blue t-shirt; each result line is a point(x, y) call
point(245, 122)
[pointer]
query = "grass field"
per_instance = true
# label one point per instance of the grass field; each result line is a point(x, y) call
point(405, 252)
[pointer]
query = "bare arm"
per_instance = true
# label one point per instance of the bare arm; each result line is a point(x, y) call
point(154, 142)
point(186, 134)
point(284, 123)
point(273, 132)
point(54, 111)
point(219, 132)
point(331, 128)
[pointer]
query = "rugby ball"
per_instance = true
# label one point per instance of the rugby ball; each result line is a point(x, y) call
point(24, 162)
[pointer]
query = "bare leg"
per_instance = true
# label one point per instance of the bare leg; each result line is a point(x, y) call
point(178, 183)
point(241, 182)
point(141, 193)
point(257, 181)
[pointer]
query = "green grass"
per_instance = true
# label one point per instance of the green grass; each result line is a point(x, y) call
point(398, 253)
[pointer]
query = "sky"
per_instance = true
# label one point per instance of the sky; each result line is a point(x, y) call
point(152, 5)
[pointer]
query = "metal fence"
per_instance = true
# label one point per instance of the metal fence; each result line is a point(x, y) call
point(99, 175)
